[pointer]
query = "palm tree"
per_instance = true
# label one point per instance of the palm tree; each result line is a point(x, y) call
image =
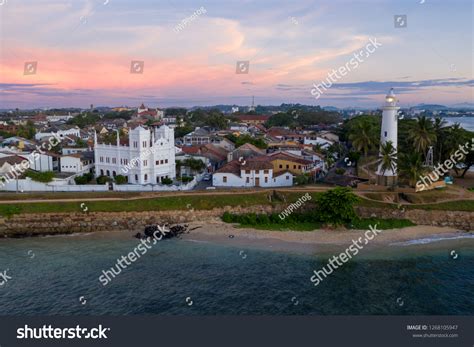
point(439, 127)
point(363, 137)
point(411, 167)
point(387, 157)
point(422, 134)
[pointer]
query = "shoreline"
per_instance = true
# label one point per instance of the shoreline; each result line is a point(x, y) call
point(226, 234)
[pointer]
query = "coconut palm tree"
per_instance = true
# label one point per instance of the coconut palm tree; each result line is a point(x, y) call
point(387, 157)
point(410, 167)
point(422, 134)
point(363, 137)
point(439, 128)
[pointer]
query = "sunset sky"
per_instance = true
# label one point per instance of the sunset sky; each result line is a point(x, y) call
point(84, 49)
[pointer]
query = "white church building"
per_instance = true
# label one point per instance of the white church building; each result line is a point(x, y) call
point(146, 158)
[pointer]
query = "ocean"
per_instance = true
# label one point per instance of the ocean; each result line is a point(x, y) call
point(59, 275)
point(465, 122)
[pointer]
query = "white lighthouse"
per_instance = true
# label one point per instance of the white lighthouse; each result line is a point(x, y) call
point(389, 132)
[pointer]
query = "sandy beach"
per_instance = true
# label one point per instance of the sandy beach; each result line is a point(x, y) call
point(307, 241)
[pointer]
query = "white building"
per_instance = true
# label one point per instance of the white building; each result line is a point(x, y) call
point(252, 172)
point(146, 158)
point(60, 133)
point(77, 162)
point(389, 133)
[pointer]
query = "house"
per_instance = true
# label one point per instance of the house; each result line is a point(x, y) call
point(146, 157)
point(240, 127)
point(61, 133)
point(82, 162)
point(253, 172)
point(316, 140)
point(216, 155)
point(253, 119)
point(282, 161)
point(247, 150)
point(200, 136)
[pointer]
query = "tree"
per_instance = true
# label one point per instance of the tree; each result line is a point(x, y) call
point(439, 128)
point(387, 157)
point(411, 167)
point(336, 206)
point(422, 134)
point(44, 177)
point(166, 181)
point(363, 137)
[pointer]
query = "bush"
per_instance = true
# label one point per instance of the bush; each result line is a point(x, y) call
point(84, 179)
point(340, 171)
point(120, 179)
point(186, 179)
point(44, 177)
point(167, 181)
point(302, 179)
point(102, 180)
point(336, 206)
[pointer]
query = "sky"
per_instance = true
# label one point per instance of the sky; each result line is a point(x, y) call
point(82, 52)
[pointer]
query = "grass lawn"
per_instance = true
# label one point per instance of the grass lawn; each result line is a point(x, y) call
point(197, 202)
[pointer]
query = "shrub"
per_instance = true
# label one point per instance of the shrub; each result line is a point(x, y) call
point(44, 177)
point(102, 179)
point(336, 206)
point(120, 179)
point(84, 179)
point(340, 171)
point(167, 181)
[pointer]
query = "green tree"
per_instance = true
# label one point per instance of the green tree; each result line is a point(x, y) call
point(120, 179)
point(387, 157)
point(336, 206)
point(363, 137)
point(422, 134)
point(410, 167)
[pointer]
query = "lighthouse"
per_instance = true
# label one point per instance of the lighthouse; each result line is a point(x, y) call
point(389, 132)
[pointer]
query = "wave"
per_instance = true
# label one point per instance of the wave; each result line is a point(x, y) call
point(432, 239)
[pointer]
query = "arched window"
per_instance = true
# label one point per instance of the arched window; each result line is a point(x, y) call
point(114, 173)
point(108, 173)
point(146, 177)
point(102, 172)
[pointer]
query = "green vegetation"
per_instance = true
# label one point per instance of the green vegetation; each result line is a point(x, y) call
point(84, 179)
point(243, 139)
point(44, 177)
point(120, 179)
point(85, 119)
point(415, 137)
point(103, 180)
point(167, 181)
point(10, 211)
point(299, 115)
point(305, 222)
point(195, 165)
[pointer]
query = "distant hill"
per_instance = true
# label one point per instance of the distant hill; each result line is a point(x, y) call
point(430, 107)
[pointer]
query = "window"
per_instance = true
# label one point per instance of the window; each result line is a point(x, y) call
point(294, 166)
point(161, 161)
point(224, 179)
point(287, 166)
point(166, 161)
point(102, 172)
point(247, 172)
point(114, 161)
point(266, 179)
point(157, 162)
point(265, 171)
point(107, 160)
point(135, 144)
point(287, 177)
point(136, 178)
point(145, 163)
point(281, 166)
point(114, 173)
point(385, 133)
point(247, 180)
point(299, 166)
point(101, 159)
point(146, 177)
point(144, 143)
point(108, 173)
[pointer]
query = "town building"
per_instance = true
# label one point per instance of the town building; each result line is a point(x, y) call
point(146, 157)
point(252, 172)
